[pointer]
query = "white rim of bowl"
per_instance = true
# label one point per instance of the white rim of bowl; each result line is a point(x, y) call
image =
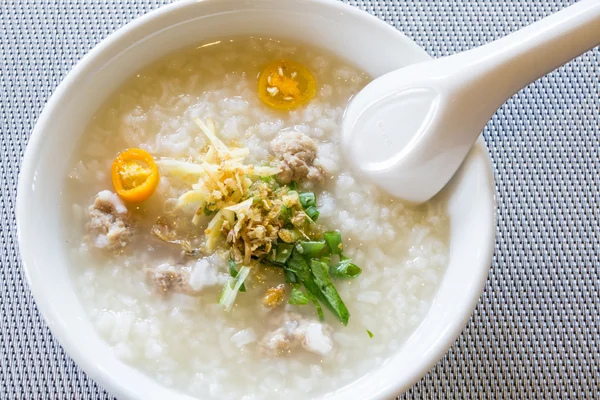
point(101, 376)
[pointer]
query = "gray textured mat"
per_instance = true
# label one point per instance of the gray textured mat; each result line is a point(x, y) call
point(535, 333)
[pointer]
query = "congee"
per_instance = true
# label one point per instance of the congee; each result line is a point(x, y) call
point(220, 242)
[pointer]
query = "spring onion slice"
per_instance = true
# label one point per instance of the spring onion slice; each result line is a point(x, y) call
point(307, 199)
point(280, 253)
point(300, 267)
point(230, 293)
point(285, 214)
point(345, 269)
point(284, 251)
point(314, 300)
point(207, 212)
point(290, 276)
point(298, 297)
point(334, 241)
point(311, 249)
point(321, 278)
point(312, 213)
point(233, 272)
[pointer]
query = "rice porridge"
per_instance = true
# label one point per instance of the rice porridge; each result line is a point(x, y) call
point(219, 242)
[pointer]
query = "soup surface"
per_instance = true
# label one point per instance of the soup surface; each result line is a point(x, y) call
point(160, 269)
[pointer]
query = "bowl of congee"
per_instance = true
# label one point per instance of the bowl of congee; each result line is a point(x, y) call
point(190, 227)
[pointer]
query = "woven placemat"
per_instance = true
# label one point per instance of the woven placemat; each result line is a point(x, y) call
point(535, 332)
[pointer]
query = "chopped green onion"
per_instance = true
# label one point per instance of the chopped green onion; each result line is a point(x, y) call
point(298, 265)
point(233, 272)
point(317, 282)
point(314, 300)
point(312, 213)
point(311, 249)
point(298, 297)
point(293, 185)
point(284, 251)
point(308, 199)
point(208, 212)
point(230, 293)
point(281, 253)
point(345, 269)
point(285, 214)
point(321, 278)
point(370, 334)
point(290, 276)
point(334, 241)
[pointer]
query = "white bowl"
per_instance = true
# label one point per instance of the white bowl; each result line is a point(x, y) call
point(356, 36)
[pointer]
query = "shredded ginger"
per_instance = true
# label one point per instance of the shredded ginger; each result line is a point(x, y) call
point(223, 189)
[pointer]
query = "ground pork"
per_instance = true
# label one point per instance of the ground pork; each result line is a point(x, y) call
point(190, 278)
point(297, 331)
point(109, 225)
point(296, 154)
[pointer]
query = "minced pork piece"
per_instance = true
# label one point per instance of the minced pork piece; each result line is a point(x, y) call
point(298, 331)
point(190, 278)
point(110, 225)
point(296, 153)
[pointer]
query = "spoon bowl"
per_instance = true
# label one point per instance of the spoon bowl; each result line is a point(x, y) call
point(409, 130)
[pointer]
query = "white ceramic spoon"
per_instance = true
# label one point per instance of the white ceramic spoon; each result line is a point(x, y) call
point(409, 131)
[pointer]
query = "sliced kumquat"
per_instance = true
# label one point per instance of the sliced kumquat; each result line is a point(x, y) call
point(134, 175)
point(285, 85)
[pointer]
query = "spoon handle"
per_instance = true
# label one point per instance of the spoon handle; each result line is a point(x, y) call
point(494, 72)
